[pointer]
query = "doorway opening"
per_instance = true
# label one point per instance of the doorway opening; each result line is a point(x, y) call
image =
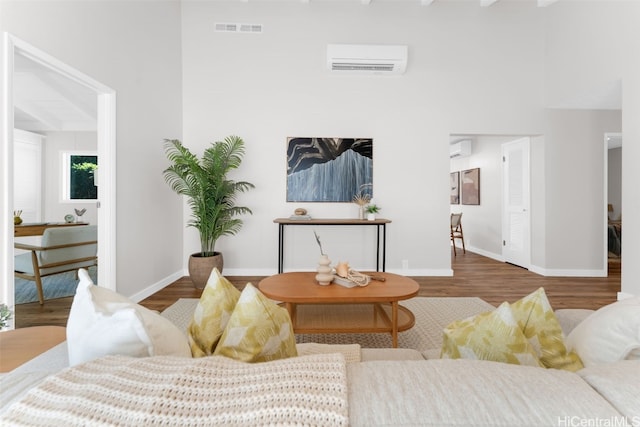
point(492, 230)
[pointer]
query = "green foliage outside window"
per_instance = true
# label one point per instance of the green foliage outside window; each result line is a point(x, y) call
point(81, 180)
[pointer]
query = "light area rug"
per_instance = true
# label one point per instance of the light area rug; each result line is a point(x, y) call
point(431, 314)
point(56, 286)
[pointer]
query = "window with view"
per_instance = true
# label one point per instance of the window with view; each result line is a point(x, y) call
point(79, 176)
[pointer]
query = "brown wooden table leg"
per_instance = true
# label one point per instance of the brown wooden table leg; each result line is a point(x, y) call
point(291, 308)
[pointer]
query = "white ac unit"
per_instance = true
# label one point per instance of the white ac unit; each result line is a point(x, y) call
point(460, 148)
point(376, 59)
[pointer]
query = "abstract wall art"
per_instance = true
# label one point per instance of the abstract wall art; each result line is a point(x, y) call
point(470, 186)
point(329, 169)
point(454, 188)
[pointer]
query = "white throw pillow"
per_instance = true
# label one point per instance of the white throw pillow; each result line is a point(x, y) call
point(102, 322)
point(609, 335)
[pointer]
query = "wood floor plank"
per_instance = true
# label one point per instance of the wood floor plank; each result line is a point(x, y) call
point(474, 276)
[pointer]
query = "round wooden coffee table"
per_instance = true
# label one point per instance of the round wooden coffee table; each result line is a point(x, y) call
point(336, 309)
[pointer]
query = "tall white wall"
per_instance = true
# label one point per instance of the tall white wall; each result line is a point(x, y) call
point(575, 179)
point(134, 48)
point(592, 51)
point(477, 76)
point(630, 171)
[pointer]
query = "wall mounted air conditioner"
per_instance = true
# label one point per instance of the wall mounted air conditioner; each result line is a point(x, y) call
point(376, 59)
point(460, 148)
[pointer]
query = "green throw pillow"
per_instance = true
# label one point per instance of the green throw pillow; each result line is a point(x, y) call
point(539, 324)
point(211, 315)
point(258, 330)
point(493, 335)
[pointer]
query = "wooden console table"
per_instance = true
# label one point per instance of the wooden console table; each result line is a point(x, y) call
point(379, 223)
point(37, 229)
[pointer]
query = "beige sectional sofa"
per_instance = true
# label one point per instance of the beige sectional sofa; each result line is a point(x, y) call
point(393, 387)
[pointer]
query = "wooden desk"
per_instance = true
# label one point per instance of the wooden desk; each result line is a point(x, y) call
point(37, 229)
point(21, 345)
point(378, 223)
point(329, 309)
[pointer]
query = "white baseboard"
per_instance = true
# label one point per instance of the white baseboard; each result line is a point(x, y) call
point(551, 272)
point(624, 295)
point(497, 257)
point(158, 286)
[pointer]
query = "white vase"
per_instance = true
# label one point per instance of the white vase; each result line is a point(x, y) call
point(324, 276)
point(371, 216)
point(360, 212)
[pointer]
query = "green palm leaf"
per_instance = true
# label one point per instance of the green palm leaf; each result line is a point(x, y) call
point(211, 196)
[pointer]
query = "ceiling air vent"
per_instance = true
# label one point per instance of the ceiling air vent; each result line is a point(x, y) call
point(230, 27)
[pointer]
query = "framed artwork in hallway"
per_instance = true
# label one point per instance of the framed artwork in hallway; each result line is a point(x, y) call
point(470, 186)
point(454, 188)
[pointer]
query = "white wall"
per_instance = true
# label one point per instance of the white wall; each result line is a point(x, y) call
point(134, 48)
point(593, 51)
point(630, 172)
point(54, 209)
point(575, 179)
point(483, 79)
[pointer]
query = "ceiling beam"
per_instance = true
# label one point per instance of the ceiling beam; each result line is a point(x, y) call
point(38, 115)
point(545, 3)
point(487, 3)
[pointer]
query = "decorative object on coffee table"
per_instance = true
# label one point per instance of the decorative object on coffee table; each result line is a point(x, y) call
point(325, 275)
point(350, 278)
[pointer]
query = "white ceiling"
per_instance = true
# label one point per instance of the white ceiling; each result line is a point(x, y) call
point(47, 101)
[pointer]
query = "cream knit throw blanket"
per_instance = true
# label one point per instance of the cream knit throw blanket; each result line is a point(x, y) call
point(172, 391)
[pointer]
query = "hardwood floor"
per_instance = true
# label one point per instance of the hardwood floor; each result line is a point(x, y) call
point(474, 276)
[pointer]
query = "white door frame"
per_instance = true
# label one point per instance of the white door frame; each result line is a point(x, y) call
point(605, 228)
point(106, 130)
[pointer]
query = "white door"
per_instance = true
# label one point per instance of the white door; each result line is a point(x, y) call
point(515, 203)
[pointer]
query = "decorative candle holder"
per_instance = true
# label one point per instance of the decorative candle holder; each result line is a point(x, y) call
point(324, 276)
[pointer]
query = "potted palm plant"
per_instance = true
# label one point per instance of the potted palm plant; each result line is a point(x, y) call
point(211, 197)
